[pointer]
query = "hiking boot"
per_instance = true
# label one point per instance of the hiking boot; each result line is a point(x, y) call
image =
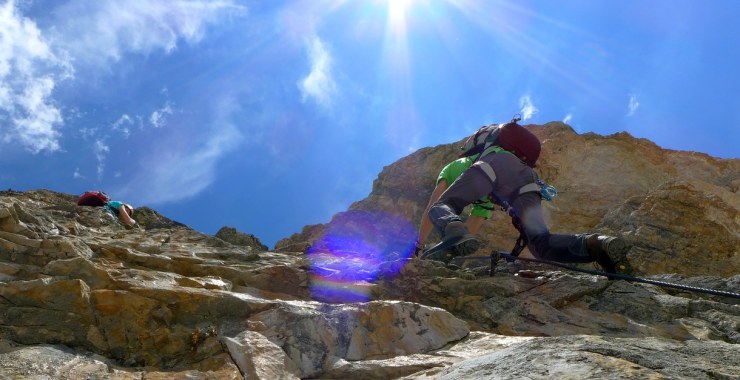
point(455, 229)
point(467, 247)
point(460, 241)
point(457, 241)
point(606, 249)
point(437, 254)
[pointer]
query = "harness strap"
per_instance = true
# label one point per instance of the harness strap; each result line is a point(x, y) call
point(532, 187)
point(487, 170)
point(494, 149)
point(529, 188)
point(506, 206)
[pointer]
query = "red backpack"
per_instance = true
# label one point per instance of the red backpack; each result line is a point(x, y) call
point(93, 198)
point(511, 136)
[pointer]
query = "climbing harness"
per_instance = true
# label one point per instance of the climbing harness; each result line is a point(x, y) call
point(548, 192)
point(497, 255)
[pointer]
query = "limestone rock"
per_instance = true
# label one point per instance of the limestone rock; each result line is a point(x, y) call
point(590, 357)
point(231, 235)
point(534, 300)
point(686, 227)
point(49, 361)
point(59, 362)
point(150, 219)
point(82, 296)
point(167, 299)
point(300, 242)
point(258, 358)
point(315, 336)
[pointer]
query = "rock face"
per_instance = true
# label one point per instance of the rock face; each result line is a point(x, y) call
point(681, 210)
point(170, 302)
point(83, 297)
point(231, 235)
point(589, 357)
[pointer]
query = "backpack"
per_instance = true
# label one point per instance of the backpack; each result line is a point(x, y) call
point(511, 136)
point(93, 198)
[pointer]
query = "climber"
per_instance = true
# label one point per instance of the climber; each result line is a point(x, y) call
point(506, 155)
point(123, 211)
point(117, 209)
point(478, 214)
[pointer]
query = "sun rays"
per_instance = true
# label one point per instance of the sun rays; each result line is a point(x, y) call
point(397, 14)
point(516, 31)
point(487, 46)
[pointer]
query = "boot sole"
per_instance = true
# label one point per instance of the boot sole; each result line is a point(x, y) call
point(446, 250)
point(617, 249)
point(440, 252)
point(613, 254)
point(441, 256)
point(467, 247)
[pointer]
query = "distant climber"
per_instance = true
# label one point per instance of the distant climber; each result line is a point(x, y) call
point(503, 171)
point(122, 211)
point(480, 212)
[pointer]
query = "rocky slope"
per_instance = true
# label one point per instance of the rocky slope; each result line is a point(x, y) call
point(82, 297)
point(680, 209)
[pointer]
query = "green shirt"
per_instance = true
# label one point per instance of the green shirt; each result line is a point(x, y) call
point(453, 170)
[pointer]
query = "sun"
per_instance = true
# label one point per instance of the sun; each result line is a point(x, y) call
point(395, 6)
point(397, 13)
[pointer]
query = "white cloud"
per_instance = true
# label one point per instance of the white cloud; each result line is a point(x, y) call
point(122, 125)
point(33, 63)
point(527, 108)
point(77, 174)
point(633, 105)
point(319, 84)
point(568, 118)
point(29, 71)
point(104, 30)
point(158, 118)
point(101, 151)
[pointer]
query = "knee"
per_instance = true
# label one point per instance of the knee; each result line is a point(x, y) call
point(438, 209)
point(539, 244)
point(445, 205)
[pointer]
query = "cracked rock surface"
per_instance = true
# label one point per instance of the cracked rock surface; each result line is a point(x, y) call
point(83, 297)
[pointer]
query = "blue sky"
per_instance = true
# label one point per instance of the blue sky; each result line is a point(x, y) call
point(271, 115)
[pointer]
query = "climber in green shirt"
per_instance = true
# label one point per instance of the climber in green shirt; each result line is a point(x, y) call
point(478, 214)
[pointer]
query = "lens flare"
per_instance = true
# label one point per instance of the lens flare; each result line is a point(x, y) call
point(357, 249)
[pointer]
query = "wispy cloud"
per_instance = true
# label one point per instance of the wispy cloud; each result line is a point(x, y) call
point(527, 108)
point(101, 151)
point(633, 105)
point(319, 84)
point(568, 118)
point(179, 173)
point(123, 125)
point(110, 28)
point(158, 118)
point(29, 71)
